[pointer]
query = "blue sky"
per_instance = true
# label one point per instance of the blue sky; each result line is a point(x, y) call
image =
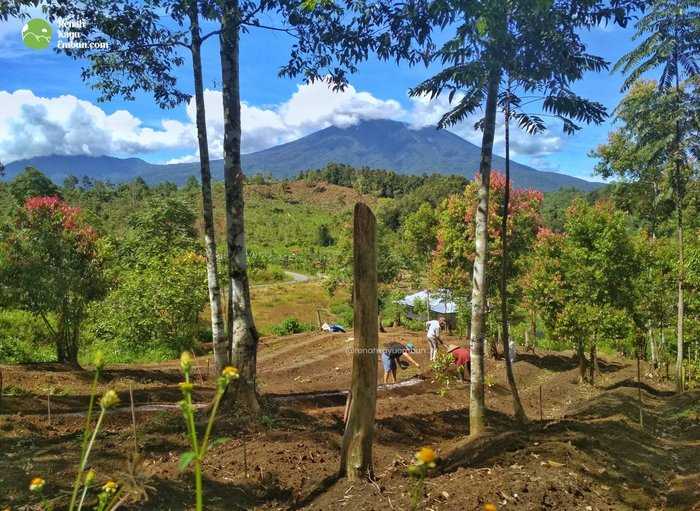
point(46, 108)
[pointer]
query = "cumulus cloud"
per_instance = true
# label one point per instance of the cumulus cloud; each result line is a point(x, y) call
point(312, 107)
point(427, 112)
point(33, 126)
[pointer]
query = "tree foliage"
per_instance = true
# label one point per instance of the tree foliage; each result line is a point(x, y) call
point(50, 265)
point(452, 260)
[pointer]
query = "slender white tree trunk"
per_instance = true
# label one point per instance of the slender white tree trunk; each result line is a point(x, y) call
point(477, 407)
point(219, 340)
point(518, 409)
point(243, 337)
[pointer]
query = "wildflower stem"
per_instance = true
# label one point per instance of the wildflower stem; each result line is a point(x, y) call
point(190, 417)
point(86, 455)
point(82, 498)
point(86, 436)
point(210, 424)
point(83, 463)
point(199, 499)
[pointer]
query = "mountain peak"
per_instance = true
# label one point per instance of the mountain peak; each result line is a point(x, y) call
point(374, 143)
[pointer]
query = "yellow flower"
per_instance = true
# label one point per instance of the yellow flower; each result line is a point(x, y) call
point(109, 399)
point(37, 484)
point(186, 361)
point(110, 487)
point(90, 476)
point(99, 361)
point(186, 387)
point(490, 507)
point(426, 456)
point(230, 373)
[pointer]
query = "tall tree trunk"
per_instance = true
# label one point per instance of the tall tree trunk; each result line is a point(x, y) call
point(581, 362)
point(679, 210)
point(594, 363)
point(243, 337)
point(477, 409)
point(356, 453)
point(681, 306)
point(219, 340)
point(518, 409)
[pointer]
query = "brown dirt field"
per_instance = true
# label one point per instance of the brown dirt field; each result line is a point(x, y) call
point(588, 452)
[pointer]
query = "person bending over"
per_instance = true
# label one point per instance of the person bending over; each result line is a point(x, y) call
point(462, 359)
point(391, 357)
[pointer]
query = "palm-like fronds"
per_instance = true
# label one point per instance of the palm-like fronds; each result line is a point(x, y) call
point(671, 32)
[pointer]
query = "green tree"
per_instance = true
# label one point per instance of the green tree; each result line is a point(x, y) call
point(645, 151)
point(654, 301)
point(157, 274)
point(419, 235)
point(50, 266)
point(143, 57)
point(154, 305)
point(583, 281)
point(32, 183)
point(671, 31)
point(536, 45)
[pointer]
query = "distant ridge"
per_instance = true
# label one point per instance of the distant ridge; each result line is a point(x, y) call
point(381, 144)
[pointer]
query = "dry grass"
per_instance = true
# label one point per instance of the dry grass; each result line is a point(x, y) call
point(274, 303)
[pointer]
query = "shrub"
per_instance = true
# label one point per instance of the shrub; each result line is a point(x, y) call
point(291, 326)
point(268, 274)
point(22, 338)
point(415, 325)
point(343, 313)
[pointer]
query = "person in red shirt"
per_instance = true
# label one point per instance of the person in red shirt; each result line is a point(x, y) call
point(462, 359)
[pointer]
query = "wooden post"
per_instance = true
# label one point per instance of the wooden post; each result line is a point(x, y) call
point(356, 451)
point(48, 405)
point(639, 388)
point(318, 317)
point(541, 413)
point(133, 418)
point(2, 388)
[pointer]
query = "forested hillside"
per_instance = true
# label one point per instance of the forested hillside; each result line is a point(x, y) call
point(147, 244)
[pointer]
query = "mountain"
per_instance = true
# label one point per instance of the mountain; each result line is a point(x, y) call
point(381, 144)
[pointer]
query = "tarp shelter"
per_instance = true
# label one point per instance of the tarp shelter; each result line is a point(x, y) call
point(440, 305)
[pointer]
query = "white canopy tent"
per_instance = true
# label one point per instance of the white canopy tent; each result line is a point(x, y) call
point(439, 301)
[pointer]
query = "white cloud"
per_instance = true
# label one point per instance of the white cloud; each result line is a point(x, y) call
point(311, 108)
point(427, 112)
point(35, 126)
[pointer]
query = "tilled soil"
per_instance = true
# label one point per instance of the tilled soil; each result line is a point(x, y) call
point(587, 452)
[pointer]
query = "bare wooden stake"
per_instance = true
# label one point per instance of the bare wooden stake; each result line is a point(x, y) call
point(2, 388)
point(48, 405)
point(318, 317)
point(639, 389)
point(356, 450)
point(541, 412)
point(133, 418)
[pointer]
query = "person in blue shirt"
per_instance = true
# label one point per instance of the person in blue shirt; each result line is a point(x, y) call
point(391, 355)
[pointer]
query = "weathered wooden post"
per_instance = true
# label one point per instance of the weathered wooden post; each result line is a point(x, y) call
point(356, 451)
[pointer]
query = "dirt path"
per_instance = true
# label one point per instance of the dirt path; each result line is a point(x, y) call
point(294, 278)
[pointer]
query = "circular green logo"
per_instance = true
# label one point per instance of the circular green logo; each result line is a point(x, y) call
point(36, 34)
